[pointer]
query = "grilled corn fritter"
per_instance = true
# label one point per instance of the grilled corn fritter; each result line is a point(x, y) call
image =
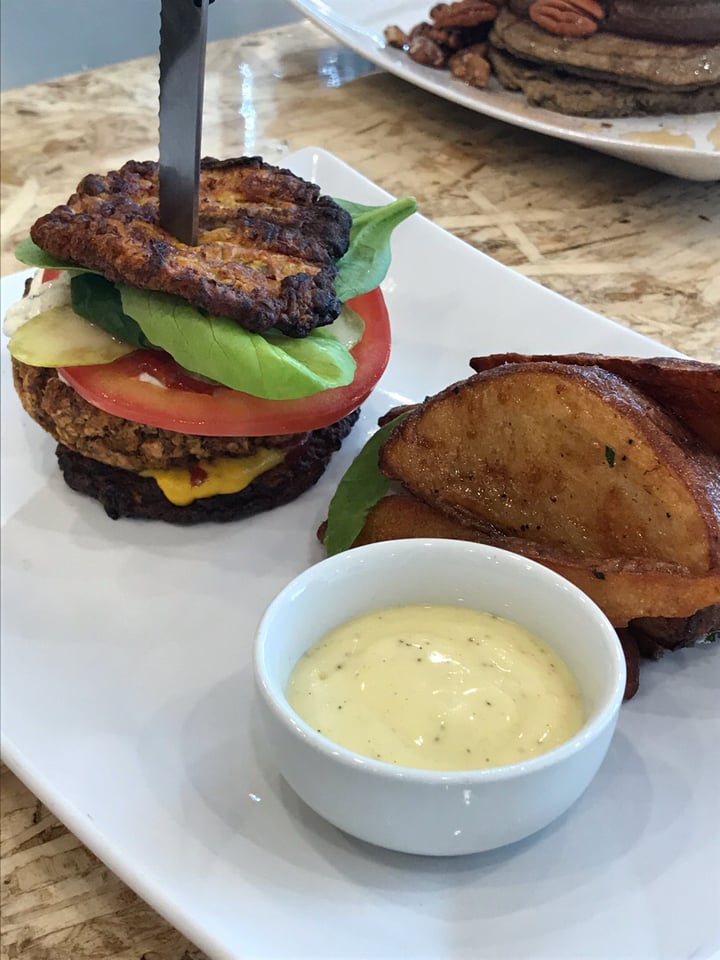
point(267, 241)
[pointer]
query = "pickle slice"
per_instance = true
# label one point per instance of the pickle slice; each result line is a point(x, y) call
point(60, 338)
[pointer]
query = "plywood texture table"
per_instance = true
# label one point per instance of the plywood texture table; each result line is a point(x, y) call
point(633, 244)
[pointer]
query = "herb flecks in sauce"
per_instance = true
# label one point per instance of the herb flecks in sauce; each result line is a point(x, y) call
point(437, 687)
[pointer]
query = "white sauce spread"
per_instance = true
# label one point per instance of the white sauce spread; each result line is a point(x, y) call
point(149, 378)
point(437, 687)
point(41, 297)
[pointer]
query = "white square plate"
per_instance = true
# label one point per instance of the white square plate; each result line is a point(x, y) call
point(686, 146)
point(127, 697)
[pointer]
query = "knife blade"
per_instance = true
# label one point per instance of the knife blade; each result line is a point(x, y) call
point(183, 38)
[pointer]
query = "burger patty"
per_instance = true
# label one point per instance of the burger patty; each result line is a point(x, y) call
point(267, 241)
point(126, 494)
point(79, 426)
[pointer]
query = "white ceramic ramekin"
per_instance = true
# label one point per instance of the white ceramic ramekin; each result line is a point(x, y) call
point(429, 811)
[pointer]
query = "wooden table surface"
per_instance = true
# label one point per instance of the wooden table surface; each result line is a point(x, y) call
point(633, 244)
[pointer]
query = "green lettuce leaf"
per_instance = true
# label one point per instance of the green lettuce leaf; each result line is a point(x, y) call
point(367, 259)
point(32, 255)
point(98, 300)
point(271, 366)
point(362, 486)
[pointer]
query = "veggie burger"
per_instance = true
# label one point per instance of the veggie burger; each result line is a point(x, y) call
point(209, 382)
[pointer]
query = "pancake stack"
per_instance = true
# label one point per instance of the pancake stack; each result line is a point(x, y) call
point(613, 58)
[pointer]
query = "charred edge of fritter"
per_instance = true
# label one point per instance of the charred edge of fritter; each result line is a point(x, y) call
point(126, 494)
point(304, 191)
point(308, 302)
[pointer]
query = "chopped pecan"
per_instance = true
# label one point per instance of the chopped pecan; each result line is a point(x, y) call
point(395, 37)
point(421, 29)
point(426, 51)
point(463, 13)
point(470, 65)
point(567, 18)
point(452, 39)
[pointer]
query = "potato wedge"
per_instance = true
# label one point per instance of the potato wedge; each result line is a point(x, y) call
point(571, 457)
point(604, 469)
point(687, 389)
point(624, 589)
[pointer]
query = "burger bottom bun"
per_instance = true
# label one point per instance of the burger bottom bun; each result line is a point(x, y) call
point(126, 494)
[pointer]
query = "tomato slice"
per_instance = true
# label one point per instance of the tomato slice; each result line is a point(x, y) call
point(49, 274)
point(182, 403)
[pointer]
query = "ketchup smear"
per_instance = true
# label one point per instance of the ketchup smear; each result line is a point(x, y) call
point(162, 367)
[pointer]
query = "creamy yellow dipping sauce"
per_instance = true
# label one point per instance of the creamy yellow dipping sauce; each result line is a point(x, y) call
point(437, 687)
